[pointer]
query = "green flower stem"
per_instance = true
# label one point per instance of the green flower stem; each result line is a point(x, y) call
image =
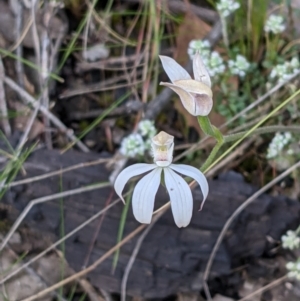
point(224, 30)
point(212, 131)
point(211, 157)
point(263, 130)
point(209, 129)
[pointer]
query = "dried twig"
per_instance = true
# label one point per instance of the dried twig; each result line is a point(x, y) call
point(18, 11)
point(46, 199)
point(96, 263)
point(54, 173)
point(81, 226)
point(131, 106)
point(234, 215)
point(31, 101)
point(265, 288)
point(239, 151)
point(132, 259)
point(33, 273)
point(3, 107)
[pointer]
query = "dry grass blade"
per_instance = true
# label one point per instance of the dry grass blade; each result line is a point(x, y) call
point(46, 199)
point(81, 226)
point(3, 106)
point(95, 264)
point(262, 98)
point(31, 101)
point(54, 173)
point(265, 288)
point(27, 130)
point(234, 215)
point(132, 259)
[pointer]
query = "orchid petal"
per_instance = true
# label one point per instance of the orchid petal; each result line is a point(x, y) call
point(203, 104)
point(129, 172)
point(200, 72)
point(186, 98)
point(173, 69)
point(193, 173)
point(144, 195)
point(194, 86)
point(180, 196)
point(197, 105)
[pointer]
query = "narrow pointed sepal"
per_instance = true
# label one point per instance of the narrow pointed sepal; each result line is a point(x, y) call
point(128, 173)
point(173, 69)
point(144, 195)
point(200, 72)
point(195, 104)
point(180, 196)
point(195, 174)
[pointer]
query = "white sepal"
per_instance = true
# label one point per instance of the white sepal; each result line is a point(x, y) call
point(195, 174)
point(129, 172)
point(180, 196)
point(200, 72)
point(144, 195)
point(173, 69)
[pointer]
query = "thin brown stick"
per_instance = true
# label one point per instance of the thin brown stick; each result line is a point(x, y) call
point(54, 173)
point(237, 212)
point(46, 199)
point(238, 151)
point(3, 106)
point(18, 11)
point(132, 259)
point(96, 233)
point(95, 264)
point(81, 226)
point(31, 101)
point(265, 288)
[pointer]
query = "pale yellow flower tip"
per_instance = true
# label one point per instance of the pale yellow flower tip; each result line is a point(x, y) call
point(162, 148)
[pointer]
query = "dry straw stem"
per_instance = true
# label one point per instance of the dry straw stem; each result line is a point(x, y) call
point(27, 131)
point(234, 215)
point(18, 12)
point(54, 173)
point(265, 288)
point(95, 264)
point(31, 101)
point(46, 199)
point(261, 99)
point(31, 272)
point(40, 255)
point(132, 259)
point(3, 106)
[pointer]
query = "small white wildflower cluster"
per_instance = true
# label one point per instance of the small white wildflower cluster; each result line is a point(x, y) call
point(274, 24)
point(277, 144)
point(291, 240)
point(147, 129)
point(226, 7)
point(240, 66)
point(211, 59)
point(137, 144)
point(294, 269)
point(201, 46)
point(215, 64)
point(283, 72)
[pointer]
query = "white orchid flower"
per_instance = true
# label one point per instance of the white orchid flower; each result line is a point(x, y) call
point(195, 94)
point(146, 189)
